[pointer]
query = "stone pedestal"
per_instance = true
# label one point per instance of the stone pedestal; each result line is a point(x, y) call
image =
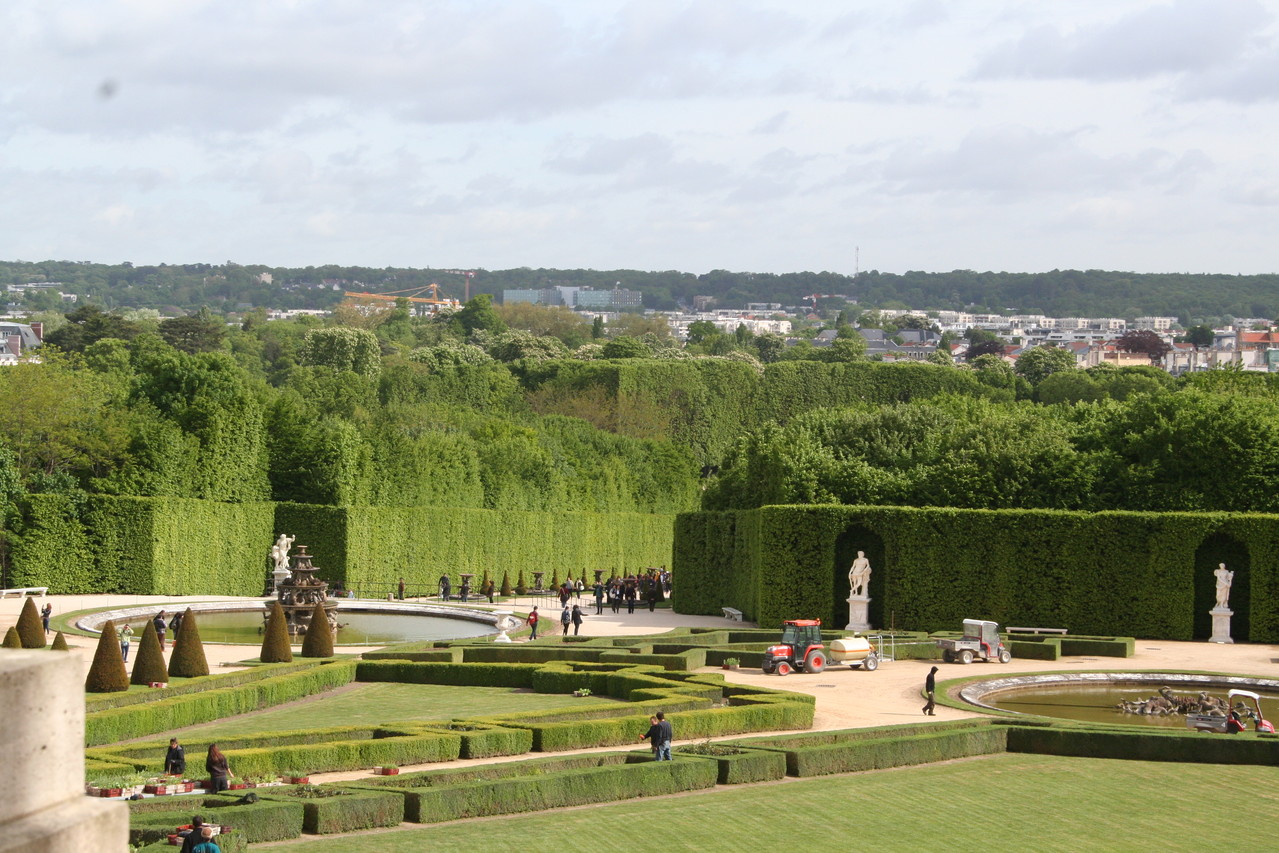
point(1221, 625)
point(858, 613)
point(44, 808)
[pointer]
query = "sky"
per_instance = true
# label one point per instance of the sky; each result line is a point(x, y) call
point(745, 135)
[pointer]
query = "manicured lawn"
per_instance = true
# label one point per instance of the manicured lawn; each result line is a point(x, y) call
point(1002, 802)
point(384, 703)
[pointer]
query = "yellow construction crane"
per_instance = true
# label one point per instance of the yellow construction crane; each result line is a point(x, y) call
point(412, 294)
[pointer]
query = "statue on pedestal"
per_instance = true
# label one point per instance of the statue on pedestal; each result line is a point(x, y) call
point(280, 552)
point(1224, 580)
point(859, 576)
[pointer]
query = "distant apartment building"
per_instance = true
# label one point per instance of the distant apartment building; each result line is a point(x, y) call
point(1154, 324)
point(586, 298)
point(16, 338)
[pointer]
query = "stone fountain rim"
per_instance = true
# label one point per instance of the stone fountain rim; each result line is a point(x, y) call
point(976, 692)
point(93, 622)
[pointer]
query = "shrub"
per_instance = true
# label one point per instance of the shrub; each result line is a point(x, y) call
point(1142, 745)
point(275, 640)
point(318, 642)
point(107, 673)
point(30, 627)
point(506, 584)
point(188, 660)
point(12, 640)
point(60, 643)
point(870, 749)
point(149, 665)
point(739, 766)
point(265, 820)
point(336, 809)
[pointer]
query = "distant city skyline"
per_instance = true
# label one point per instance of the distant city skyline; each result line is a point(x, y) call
point(752, 135)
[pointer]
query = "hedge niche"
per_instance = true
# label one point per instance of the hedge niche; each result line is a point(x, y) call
point(30, 628)
point(149, 666)
point(318, 642)
point(107, 673)
point(188, 660)
point(275, 640)
point(1101, 574)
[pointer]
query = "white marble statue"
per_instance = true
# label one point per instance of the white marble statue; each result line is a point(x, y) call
point(280, 553)
point(859, 575)
point(1224, 580)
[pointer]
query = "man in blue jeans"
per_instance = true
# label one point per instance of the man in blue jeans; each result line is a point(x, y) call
point(532, 624)
point(664, 745)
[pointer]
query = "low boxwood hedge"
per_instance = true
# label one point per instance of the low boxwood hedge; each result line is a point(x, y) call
point(739, 765)
point(559, 789)
point(509, 769)
point(117, 724)
point(228, 842)
point(1035, 649)
point(453, 655)
point(332, 809)
point(94, 702)
point(153, 819)
point(423, 748)
point(481, 740)
point(871, 749)
point(461, 674)
point(1115, 647)
point(1145, 744)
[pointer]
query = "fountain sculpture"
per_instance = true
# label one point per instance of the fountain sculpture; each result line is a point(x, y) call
point(301, 592)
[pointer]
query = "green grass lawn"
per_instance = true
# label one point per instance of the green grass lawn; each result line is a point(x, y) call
point(1007, 802)
point(384, 703)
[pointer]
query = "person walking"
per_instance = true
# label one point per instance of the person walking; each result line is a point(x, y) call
point(615, 596)
point(577, 619)
point(664, 738)
point(565, 619)
point(160, 627)
point(532, 623)
point(930, 687)
point(218, 769)
point(45, 613)
point(126, 636)
point(599, 598)
point(631, 594)
point(175, 760)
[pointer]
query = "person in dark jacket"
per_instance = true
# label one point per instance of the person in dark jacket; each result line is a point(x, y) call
point(930, 687)
point(191, 837)
point(175, 760)
point(160, 627)
point(219, 771)
point(576, 616)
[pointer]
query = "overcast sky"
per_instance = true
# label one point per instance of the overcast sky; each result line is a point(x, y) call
point(742, 134)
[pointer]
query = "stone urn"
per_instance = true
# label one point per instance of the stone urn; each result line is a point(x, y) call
point(503, 624)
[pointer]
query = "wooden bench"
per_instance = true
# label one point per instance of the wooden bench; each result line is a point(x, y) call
point(21, 591)
point(732, 613)
point(1012, 630)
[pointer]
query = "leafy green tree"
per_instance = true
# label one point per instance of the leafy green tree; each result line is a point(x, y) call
point(984, 348)
point(845, 349)
point(342, 349)
point(1037, 364)
point(516, 345)
point(479, 315)
point(941, 356)
point(625, 347)
point(1071, 386)
point(1201, 337)
point(1144, 341)
point(700, 331)
point(88, 324)
point(769, 346)
point(198, 332)
point(597, 327)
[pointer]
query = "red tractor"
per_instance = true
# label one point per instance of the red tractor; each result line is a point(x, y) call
point(801, 647)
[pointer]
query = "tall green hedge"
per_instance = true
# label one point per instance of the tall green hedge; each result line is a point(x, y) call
point(1111, 573)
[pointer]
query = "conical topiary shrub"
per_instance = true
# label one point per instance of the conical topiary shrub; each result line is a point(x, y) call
point(11, 639)
point(520, 588)
point(107, 674)
point(187, 660)
point(555, 580)
point(506, 584)
point(318, 642)
point(60, 643)
point(275, 640)
point(30, 628)
point(149, 666)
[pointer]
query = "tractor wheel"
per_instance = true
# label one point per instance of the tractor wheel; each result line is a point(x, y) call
point(966, 656)
point(1005, 656)
point(768, 670)
point(948, 656)
point(872, 662)
point(815, 662)
point(783, 668)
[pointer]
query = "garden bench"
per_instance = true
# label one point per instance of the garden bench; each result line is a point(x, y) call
point(732, 613)
point(21, 591)
point(1013, 630)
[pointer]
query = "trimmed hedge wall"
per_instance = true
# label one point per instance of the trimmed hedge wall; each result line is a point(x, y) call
point(559, 789)
point(1111, 573)
point(117, 724)
point(104, 701)
point(349, 810)
point(1145, 744)
point(877, 748)
point(745, 765)
point(260, 821)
